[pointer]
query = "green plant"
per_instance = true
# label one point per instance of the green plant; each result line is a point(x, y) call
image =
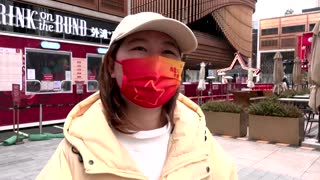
point(303, 91)
point(287, 94)
point(221, 106)
point(290, 93)
point(272, 107)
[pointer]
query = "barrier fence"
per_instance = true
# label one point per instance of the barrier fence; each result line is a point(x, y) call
point(15, 109)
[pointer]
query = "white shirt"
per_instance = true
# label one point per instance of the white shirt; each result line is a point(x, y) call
point(148, 149)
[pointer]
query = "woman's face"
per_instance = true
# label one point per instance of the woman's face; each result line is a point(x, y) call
point(145, 44)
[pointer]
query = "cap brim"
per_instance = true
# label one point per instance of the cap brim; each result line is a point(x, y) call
point(183, 36)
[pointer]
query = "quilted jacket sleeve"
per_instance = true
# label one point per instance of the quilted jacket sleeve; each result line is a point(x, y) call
point(223, 166)
point(57, 167)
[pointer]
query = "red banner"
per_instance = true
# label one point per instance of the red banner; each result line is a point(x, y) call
point(16, 94)
point(47, 77)
point(91, 77)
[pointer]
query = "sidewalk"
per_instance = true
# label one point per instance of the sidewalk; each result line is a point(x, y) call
point(270, 161)
point(254, 160)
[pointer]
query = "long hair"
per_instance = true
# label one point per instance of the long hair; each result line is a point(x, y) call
point(111, 97)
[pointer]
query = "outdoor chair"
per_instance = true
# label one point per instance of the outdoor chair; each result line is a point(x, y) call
point(310, 117)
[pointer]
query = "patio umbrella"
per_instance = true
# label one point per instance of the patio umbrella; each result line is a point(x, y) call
point(278, 74)
point(202, 83)
point(296, 74)
point(309, 76)
point(250, 83)
point(314, 101)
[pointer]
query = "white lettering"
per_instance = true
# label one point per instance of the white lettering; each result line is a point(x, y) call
point(59, 24)
point(50, 17)
point(75, 26)
point(50, 28)
point(24, 18)
point(94, 32)
point(67, 25)
point(3, 14)
point(43, 15)
point(83, 28)
point(30, 22)
point(10, 15)
point(104, 34)
point(41, 26)
point(20, 17)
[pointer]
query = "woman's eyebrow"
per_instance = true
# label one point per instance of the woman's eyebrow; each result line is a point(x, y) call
point(134, 40)
point(170, 43)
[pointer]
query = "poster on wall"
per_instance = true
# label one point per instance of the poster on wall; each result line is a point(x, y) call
point(68, 75)
point(31, 74)
point(79, 70)
point(10, 68)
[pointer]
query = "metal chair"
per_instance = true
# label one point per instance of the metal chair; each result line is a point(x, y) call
point(309, 116)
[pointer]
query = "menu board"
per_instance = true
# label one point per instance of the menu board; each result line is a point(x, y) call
point(10, 68)
point(79, 70)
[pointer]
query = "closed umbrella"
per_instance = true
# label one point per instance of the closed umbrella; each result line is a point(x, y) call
point(296, 74)
point(250, 83)
point(202, 83)
point(278, 74)
point(309, 76)
point(314, 101)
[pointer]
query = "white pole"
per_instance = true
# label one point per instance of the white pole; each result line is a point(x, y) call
point(258, 52)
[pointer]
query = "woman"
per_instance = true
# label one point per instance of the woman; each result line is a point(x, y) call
point(138, 126)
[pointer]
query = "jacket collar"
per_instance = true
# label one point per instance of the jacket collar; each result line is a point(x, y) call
point(88, 131)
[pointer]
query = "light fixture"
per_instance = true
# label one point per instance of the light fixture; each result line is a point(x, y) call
point(102, 50)
point(50, 45)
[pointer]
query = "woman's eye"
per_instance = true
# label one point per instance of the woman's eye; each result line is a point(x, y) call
point(139, 48)
point(168, 52)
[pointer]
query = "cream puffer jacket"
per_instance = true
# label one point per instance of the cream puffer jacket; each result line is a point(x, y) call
point(90, 151)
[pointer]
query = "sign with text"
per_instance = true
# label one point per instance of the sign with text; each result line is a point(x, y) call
point(79, 70)
point(51, 22)
point(48, 77)
point(11, 68)
point(16, 94)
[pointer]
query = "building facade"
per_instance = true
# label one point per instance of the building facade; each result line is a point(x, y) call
point(52, 51)
point(281, 34)
point(222, 27)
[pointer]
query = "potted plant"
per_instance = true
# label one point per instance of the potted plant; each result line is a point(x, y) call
point(227, 118)
point(276, 122)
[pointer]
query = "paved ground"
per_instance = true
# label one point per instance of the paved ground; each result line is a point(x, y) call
point(254, 160)
point(270, 161)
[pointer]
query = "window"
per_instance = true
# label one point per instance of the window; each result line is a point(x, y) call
point(269, 43)
point(48, 71)
point(269, 31)
point(293, 29)
point(288, 42)
point(93, 66)
point(311, 26)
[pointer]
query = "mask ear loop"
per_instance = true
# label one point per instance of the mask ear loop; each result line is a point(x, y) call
point(117, 61)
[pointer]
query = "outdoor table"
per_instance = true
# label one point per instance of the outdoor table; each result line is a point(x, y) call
point(300, 102)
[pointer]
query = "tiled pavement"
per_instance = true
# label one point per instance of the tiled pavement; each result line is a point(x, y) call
point(254, 160)
point(270, 161)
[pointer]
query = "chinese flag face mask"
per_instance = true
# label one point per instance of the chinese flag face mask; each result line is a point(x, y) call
point(150, 82)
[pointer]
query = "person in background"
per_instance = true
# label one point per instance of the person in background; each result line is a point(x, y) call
point(285, 83)
point(60, 69)
point(138, 126)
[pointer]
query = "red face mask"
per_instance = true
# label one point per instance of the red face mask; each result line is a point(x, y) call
point(150, 82)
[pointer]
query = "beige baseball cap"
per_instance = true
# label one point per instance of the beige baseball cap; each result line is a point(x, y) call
point(143, 21)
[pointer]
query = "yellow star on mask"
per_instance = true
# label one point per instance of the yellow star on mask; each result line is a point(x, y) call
point(149, 86)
